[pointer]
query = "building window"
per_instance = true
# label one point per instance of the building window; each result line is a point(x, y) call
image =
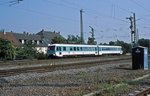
point(41, 42)
point(37, 42)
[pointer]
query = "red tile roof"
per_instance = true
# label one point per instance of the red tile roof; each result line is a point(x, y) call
point(9, 36)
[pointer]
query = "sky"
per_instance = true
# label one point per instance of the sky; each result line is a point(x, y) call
point(107, 17)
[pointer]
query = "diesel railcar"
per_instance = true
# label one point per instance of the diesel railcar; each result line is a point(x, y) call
point(61, 50)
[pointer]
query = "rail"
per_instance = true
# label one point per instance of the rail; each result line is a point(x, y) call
point(145, 92)
point(53, 67)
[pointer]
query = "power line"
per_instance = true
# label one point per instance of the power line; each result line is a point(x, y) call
point(121, 8)
point(133, 1)
point(91, 11)
point(106, 16)
point(44, 14)
point(61, 4)
point(72, 3)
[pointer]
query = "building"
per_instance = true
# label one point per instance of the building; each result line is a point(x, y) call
point(41, 39)
point(10, 37)
point(47, 36)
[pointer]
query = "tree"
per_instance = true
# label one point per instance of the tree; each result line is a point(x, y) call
point(91, 41)
point(73, 39)
point(125, 46)
point(7, 50)
point(59, 40)
point(145, 43)
point(27, 51)
point(103, 44)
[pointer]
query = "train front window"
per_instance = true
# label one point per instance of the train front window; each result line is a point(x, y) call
point(51, 48)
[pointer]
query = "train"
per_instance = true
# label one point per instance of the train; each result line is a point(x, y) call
point(63, 50)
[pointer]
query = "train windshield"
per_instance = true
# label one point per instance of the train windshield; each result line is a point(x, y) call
point(51, 48)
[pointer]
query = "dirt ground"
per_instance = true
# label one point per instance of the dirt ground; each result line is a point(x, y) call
point(109, 79)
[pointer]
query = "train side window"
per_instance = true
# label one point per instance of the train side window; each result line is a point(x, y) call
point(74, 48)
point(95, 49)
point(58, 48)
point(77, 48)
point(64, 48)
point(80, 48)
point(89, 48)
point(86, 48)
point(70, 48)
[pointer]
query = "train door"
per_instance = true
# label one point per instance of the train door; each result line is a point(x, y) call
point(99, 50)
point(59, 51)
point(96, 51)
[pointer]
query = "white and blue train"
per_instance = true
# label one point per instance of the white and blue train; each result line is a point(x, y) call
point(61, 50)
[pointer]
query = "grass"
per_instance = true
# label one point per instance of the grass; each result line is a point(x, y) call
point(113, 90)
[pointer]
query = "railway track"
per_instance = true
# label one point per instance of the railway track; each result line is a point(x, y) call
point(52, 67)
point(144, 92)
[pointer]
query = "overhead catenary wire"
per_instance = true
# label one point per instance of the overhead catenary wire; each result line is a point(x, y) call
point(76, 7)
point(118, 6)
point(61, 4)
point(63, 19)
point(86, 11)
point(135, 2)
point(91, 11)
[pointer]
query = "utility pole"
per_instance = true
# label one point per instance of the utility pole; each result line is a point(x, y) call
point(92, 31)
point(135, 31)
point(137, 36)
point(91, 40)
point(134, 35)
point(132, 31)
point(81, 27)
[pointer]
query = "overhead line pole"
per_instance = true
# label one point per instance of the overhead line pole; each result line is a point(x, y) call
point(134, 34)
point(81, 27)
point(135, 31)
point(131, 27)
point(135, 40)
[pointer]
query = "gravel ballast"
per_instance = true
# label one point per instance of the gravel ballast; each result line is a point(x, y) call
point(70, 82)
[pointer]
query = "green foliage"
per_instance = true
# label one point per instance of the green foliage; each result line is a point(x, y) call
point(145, 43)
point(27, 51)
point(73, 39)
point(113, 90)
point(59, 40)
point(41, 56)
point(103, 44)
point(125, 46)
point(91, 41)
point(7, 50)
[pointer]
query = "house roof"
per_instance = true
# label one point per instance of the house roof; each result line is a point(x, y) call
point(47, 36)
point(27, 36)
point(9, 36)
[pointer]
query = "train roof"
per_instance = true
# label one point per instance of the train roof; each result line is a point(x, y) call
point(79, 45)
point(109, 46)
